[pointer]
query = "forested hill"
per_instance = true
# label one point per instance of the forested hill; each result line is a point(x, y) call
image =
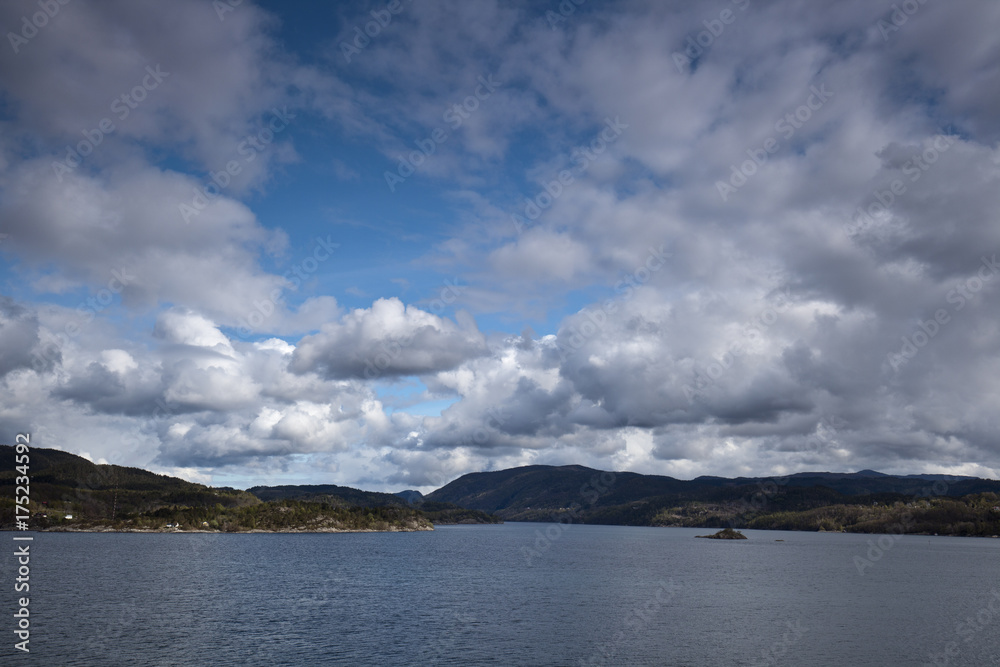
point(335, 494)
point(70, 492)
point(340, 496)
point(115, 497)
point(866, 501)
point(74, 484)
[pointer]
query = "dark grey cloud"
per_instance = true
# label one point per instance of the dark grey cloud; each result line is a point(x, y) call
point(769, 330)
point(19, 339)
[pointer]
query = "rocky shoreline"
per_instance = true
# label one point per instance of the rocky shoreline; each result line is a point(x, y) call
point(108, 529)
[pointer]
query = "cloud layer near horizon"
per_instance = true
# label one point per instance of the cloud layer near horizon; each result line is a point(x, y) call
point(763, 237)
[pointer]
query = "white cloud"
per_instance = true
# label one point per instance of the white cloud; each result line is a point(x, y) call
point(755, 333)
point(389, 339)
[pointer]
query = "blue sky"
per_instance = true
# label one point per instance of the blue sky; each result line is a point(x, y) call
point(629, 239)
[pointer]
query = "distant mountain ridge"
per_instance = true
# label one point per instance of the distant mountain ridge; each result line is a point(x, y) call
point(345, 496)
point(319, 492)
point(831, 501)
point(559, 486)
point(65, 484)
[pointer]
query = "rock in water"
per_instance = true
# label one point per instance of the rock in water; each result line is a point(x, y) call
point(725, 534)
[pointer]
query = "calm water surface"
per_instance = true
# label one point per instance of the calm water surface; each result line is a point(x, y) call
point(474, 595)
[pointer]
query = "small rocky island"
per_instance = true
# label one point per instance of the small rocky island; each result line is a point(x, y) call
point(725, 534)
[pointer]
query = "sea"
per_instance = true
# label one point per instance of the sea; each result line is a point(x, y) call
point(512, 594)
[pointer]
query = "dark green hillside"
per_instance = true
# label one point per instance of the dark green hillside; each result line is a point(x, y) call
point(64, 484)
point(68, 492)
point(520, 490)
point(286, 516)
point(857, 502)
point(446, 513)
point(344, 495)
point(867, 482)
point(120, 498)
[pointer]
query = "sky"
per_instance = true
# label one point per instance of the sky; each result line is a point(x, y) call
point(385, 244)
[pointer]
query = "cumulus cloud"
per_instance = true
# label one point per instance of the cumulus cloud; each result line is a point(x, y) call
point(123, 232)
point(199, 398)
point(208, 84)
point(389, 339)
point(18, 336)
point(98, 97)
point(785, 260)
